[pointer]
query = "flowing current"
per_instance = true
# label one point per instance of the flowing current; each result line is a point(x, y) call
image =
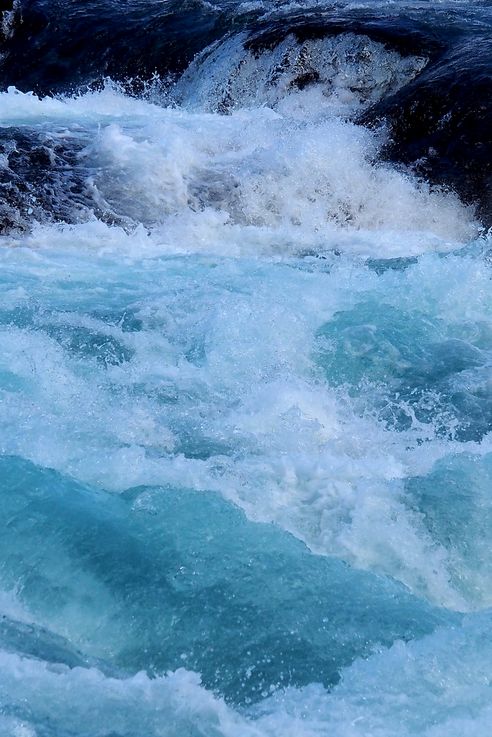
point(245, 369)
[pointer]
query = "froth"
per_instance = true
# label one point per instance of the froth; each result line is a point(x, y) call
point(197, 183)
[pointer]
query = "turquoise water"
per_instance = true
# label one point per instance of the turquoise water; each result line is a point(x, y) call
point(159, 579)
point(245, 461)
point(419, 366)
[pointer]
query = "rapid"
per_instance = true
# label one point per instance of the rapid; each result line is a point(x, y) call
point(245, 373)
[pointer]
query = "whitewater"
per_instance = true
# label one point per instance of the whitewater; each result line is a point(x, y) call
point(245, 396)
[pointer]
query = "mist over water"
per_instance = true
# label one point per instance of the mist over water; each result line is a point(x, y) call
point(245, 379)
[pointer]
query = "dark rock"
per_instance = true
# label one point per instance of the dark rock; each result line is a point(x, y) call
point(441, 123)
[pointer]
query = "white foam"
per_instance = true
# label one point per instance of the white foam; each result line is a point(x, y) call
point(201, 185)
point(171, 706)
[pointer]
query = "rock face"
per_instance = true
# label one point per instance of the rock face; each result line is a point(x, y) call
point(441, 123)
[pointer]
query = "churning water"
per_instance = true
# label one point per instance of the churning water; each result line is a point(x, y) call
point(245, 372)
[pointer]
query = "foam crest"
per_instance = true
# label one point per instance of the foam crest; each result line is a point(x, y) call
point(286, 182)
point(436, 687)
point(58, 696)
point(199, 184)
